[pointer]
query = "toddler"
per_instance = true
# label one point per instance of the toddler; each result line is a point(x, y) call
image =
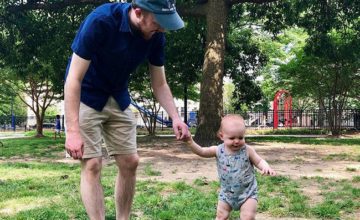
point(235, 165)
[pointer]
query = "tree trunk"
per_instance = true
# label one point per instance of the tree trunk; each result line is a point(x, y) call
point(39, 126)
point(211, 94)
point(185, 104)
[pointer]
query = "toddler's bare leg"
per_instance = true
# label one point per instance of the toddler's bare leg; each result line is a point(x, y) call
point(223, 210)
point(248, 209)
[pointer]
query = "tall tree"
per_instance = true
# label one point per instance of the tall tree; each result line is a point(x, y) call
point(216, 13)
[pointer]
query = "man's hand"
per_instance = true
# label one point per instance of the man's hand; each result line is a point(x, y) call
point(181, 130)
point(74, 145)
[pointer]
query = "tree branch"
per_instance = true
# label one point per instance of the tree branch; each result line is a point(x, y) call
point(46, 5)
point(233, 2)
point(196, 11)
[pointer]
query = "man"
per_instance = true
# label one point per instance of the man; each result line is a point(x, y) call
point(112, 41)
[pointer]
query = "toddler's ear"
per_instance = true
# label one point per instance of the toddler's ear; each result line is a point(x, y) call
point(220, 135)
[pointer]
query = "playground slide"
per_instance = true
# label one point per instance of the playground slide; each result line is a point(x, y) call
point(160, 120)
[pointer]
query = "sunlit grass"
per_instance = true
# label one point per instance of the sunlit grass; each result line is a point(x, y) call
point(343, 156)
point(54, 188)
point(149, 171)
point(13, 206)
point(34, 186)
point(31, 147)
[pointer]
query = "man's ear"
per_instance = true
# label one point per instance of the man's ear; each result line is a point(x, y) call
point(138, 12)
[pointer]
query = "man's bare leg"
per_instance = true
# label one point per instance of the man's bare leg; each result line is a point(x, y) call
point(125, 184)
point(91, 190)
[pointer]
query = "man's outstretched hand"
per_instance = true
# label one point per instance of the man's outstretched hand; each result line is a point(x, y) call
point(181, 130)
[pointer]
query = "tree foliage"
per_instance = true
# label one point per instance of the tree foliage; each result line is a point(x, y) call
point(280, 51)
point(215, 13)
point(329, 67)
point(182, 67)
point(322, 20)
point(35, 49)
point(243, 61)
point(330, 79)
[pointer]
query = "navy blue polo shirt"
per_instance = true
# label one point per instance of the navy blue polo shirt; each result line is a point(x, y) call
point(105, 38)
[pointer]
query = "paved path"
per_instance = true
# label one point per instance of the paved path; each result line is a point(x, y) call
point(289, 135)
point(8, 135)
point(261, 135)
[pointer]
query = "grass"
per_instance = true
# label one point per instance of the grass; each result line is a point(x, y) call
point(351, 169)
point(342, 156)
point(32, 147)
point(149, 171)
point(340, 197)
point(43, 189)
point(282, 131)
point(36, 190)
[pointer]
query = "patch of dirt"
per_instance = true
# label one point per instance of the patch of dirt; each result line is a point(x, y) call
point(175, 161)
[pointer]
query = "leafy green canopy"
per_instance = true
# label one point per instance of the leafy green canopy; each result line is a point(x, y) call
point(329, 58)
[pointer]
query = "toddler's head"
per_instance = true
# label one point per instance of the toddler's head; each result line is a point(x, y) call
point(232, 131)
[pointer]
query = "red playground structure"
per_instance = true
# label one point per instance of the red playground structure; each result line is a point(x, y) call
point(283, 98)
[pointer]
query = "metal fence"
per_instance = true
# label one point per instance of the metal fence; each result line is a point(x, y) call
point(25, 123)
point(311, 119)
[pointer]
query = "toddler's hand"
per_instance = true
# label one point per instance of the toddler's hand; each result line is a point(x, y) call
point(268, 171)
point(188, 139)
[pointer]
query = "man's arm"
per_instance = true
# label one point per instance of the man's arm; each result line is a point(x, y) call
point(77, 70)
point(164, 96)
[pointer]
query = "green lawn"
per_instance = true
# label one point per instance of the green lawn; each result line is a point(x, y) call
point(34, 186)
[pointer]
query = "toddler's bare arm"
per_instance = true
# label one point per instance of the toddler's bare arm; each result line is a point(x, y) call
point(201, 151)
point(260, 163)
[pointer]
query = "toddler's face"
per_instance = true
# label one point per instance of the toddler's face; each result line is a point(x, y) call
point(233, 135)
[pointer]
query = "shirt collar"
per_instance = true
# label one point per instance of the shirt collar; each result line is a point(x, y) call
point(125, 25)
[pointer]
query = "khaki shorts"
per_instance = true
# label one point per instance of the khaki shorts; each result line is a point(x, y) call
point(117, 128)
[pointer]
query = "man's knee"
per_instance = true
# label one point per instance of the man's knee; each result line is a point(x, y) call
point(127, 163)
point(132, 163)
point(91, 166)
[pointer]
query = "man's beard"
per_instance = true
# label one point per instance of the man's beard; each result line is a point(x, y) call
point(136, 31)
